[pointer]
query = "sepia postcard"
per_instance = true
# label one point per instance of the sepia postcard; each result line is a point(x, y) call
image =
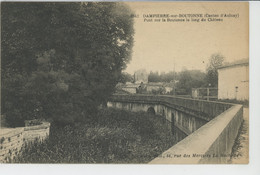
point(124, 82)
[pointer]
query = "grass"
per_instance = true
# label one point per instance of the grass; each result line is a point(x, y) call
point(116, 136)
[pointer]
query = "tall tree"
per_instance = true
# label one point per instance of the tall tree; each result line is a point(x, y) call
point(154, 77)
point(126, 77)
point(61, 60)
point(189, 79)
point(215, 61)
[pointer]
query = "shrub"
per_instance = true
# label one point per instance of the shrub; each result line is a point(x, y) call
point(116, 136)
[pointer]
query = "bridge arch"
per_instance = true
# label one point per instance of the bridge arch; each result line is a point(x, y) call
point(151, 110)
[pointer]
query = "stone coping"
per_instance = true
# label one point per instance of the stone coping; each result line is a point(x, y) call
point(201, 141)
point(202, 108)
point(6, 131)
point(171, 96)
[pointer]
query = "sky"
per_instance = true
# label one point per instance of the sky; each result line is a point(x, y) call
point(167, 46)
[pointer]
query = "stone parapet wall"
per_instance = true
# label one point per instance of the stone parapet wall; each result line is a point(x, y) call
point(211, 129)
point(185, 121)
point(212, 143)
point(40, 132)
point(186, 114)
point(12, 139)
point(203, 108)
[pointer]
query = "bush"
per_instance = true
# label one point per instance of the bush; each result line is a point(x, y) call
point(115, 137)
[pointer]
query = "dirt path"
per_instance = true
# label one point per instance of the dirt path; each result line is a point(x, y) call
point(241, 148)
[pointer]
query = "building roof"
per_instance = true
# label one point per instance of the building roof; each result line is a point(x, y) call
point(243, 62)
point(155, 83)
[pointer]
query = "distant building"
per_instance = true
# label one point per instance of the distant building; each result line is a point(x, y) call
point(141, 76)
point(155, 86)
point(131, 88)
point(141, 89)
point(233, 81)
point(170, 87)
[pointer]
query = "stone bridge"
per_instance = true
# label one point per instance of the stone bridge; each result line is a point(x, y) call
point(211, 127)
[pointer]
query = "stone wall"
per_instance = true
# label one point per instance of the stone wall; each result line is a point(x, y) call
point(202, 108)
point(12, 139)
point(186, 122)
point(212, 143)
point(187, 114)
point(212, 127)
point(40, 131)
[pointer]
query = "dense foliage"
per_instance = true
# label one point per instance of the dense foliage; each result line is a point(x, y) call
point(61, 60)
point(188, 79)
point(126, 77)
point(115, 137)
point(163, 77)
point(183, 81)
